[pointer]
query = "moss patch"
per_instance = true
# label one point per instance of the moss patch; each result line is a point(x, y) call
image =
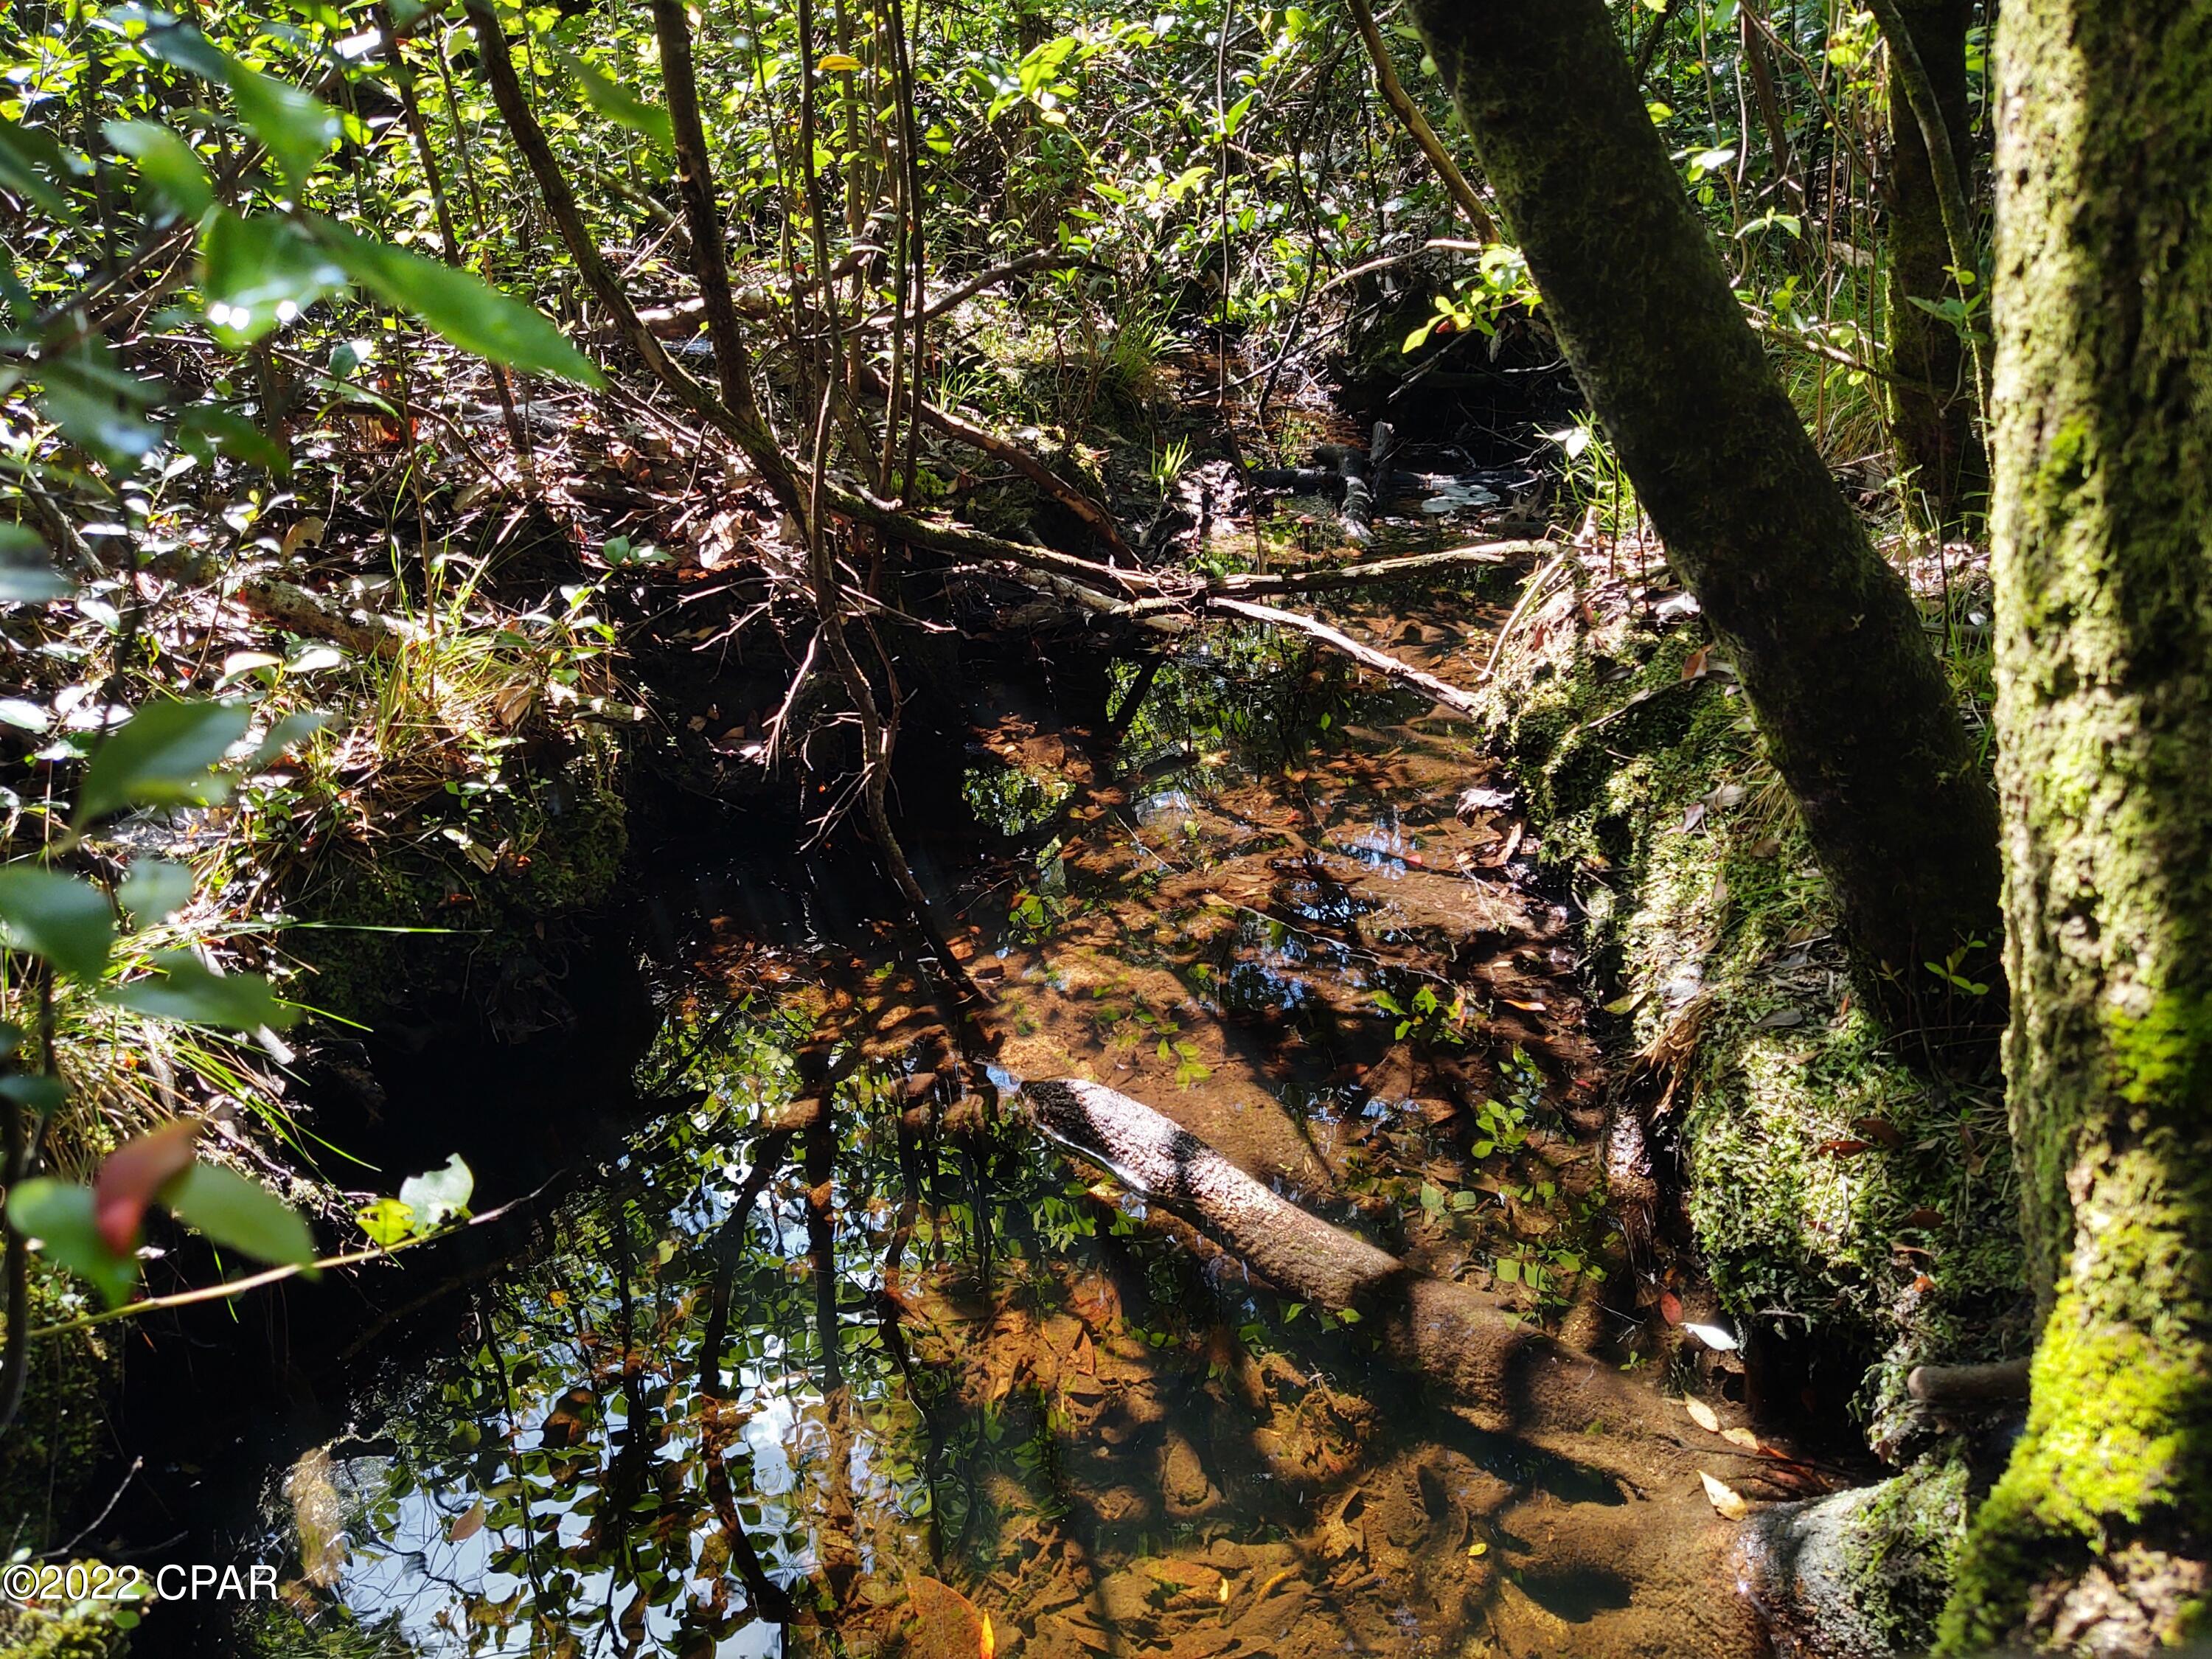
point(477, 883)
point(59, 1436)
point(1834, 1192)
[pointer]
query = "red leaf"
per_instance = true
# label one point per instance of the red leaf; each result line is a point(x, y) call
point(1670, 1307)
point(132, 1175)
point(1846, 1148)
point(1875, 1128)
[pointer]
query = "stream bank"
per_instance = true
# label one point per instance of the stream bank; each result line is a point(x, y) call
point(1307, 917)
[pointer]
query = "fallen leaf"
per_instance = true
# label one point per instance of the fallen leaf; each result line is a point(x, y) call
point(1875, 1128)
point(1743, 1437)
point(1477, 1550)
point(952, 1627)
point(1924, 1217)
point(1670, 1307)
point(1724, 1498)
point(1846, 1148)
point(1702, 1415)
point(1693, 666)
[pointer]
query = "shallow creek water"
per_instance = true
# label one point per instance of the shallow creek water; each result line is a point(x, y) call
point(838, 1355)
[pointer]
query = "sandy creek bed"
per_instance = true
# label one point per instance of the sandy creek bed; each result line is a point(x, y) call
point(1076, 1415)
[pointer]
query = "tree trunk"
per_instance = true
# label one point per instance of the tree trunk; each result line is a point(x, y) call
point(1932, 401)
point(1825, 636)
point(2098, 1536)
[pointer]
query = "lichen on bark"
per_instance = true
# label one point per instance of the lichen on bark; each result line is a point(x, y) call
point(2098, 1536)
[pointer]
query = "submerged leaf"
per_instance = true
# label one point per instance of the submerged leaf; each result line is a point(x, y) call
point(1724, 1498)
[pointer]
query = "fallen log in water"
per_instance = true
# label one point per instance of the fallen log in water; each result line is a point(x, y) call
point(1506, 1376)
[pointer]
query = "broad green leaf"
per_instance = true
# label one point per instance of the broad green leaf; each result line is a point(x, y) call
point(472, 315)
point(188, 993)
point(259, 273)
point(59, 1214)
point(177, 44)
point(387, 1221)
point(44, 1095)
point(286, 732)
point(438, 1194)
point(100, 405)
point(162, 756)
point(26, 156)
point(241, 1215)
point(619, 104)
point(66, 920)
point(154, 890)
point(203, 429)
point(166, 163)
point(27, 576)
point(298, 127)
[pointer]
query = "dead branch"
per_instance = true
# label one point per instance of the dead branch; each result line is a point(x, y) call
point(1012, 454)
point(1510, 1377)
point(1401, 568)
point(1451, 696)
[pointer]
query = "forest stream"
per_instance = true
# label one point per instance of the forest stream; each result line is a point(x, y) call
point(839, 1353)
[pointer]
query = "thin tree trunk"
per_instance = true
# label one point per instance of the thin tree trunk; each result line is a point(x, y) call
point(1850, 700)
point(1934, 404)
point(2098, 1539)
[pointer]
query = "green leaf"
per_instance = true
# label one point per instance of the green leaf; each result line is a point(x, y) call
point(298, 127)
point(66, 920)
point(387, 1222)
point(437, 1193)
point(178, 44)
point(619, 104)
point(474, 316)
point(59, 1214)
point(166, 163)
point(189, 994)
point(241, 1215)
point(259, 274)
point(44, 1095)
point(282, 735)
point(27, 576)
point(155, 889)
point(99, 404)
point(24, 151)
point(162, 756)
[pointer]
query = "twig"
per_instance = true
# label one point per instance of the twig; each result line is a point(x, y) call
point(1452, 697)
point(1409, 114)
point(231, 1287)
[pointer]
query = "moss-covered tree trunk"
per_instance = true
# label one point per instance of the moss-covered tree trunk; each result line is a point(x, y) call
point(1931, 401)
point(2099, 1535)
point(1828, 643)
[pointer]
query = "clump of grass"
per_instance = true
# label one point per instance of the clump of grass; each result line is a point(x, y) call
point(126, 1073)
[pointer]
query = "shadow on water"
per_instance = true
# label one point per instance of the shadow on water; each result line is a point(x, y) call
point(833, 1329)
